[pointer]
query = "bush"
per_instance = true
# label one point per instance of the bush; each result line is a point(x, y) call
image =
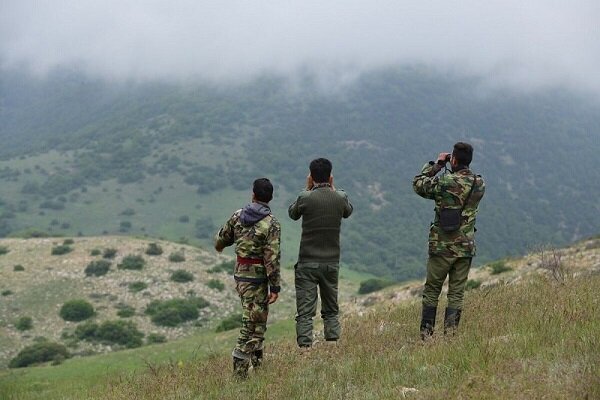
point(126, 311)
point(499, 267)
point(154, 249)
point(182, 276)
point(124, 226)
point(373, 285)
point(61, 249)
point(76, 310)
point(227, 266)
point(109, 253)
point(137, 286)
point(156, 338)
point(133, 262)
point(39, 353)
point(24, 324)
point(216, 284)
point(128, 212)
point(124, 333)
point(18, 267)
point(184, 219)
point(4, 250)
point(7, 292)
point(95, 252)
point(232, 322)
point(178, 256)
point(67, 242)
point(174, 312)
point(97, 268)
point(472, 284)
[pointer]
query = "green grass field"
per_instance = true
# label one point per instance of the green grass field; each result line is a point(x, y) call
point(535, 339)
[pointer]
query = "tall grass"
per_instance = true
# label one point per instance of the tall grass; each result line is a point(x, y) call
point(532, 340)
point(536, 339)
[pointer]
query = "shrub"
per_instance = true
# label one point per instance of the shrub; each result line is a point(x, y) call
point(499, 267)
point(156, 338)
point(124, 333)
point(38, 353)
point(7, 292)
point(95, 252)
point(227, 266)
point(76, 310)
point(128, 212)
point(61, 249)
point(373, 285)
point(472, 284)
point(97, 268)
point(67, 242)
point(109, 253)
point(175, 311)
point(133, 262)
point(154, 249)
point(3, 250)
point(182, 276)
point(184, 219)
point(126, 311)
point(177, 256)
point(24, 323)
point(124, 226)
point(232, 322)
point(18, 267)
point(216, 284)
point(137, 286)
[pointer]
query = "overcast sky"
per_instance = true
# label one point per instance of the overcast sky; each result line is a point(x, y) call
point(524, 43)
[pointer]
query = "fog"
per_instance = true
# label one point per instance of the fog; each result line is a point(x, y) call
point(537, 43)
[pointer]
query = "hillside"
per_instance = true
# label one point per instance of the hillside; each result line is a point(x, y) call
point(85, 156)
point(525, 334)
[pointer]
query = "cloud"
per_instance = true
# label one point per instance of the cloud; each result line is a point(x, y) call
point(522, 43)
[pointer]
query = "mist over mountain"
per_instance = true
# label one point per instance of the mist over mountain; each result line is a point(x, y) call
point(87, 156)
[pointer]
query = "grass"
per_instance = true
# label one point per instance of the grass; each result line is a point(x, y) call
point(536, 339)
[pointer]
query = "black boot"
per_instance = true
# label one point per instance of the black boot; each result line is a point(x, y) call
point(427, 321)
point(257, 358)
point(240, 368)
point(451, 319)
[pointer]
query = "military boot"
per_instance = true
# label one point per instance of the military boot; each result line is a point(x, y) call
point(240, 368)
point(451, 319)
point(257, 358)
point(427, 321)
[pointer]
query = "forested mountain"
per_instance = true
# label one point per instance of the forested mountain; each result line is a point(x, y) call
point(90, 157)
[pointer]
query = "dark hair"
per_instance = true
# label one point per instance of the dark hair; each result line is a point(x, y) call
point(320, 170)
point(263, 190)
point(463, 153)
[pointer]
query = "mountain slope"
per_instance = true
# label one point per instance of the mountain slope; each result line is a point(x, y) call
point(170, 151)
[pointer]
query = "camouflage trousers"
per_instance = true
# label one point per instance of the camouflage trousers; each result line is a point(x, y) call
point(457, 270)
point(255, 310)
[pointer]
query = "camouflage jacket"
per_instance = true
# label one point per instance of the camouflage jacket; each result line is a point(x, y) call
point(261, 241)
point(450, 191)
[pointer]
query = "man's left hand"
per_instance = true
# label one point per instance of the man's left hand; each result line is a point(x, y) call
point(273, 297)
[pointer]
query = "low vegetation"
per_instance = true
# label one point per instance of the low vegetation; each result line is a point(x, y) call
point(175, 311)
point(177, 256)
point(498, 267)
point(39, 353)
point(227, 266)
point(24, 324)
point(182, 276)
point(132, 262)
point(97, 268)
point(18, 268)
point(373, 285)
point(154, 249)
point(76, 310)
point(234, 321)
point(216, 284)
point(124, 333)
point(137, 286)
point(61, 250)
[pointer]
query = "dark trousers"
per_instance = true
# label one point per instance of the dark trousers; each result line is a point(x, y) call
point(309, 277)
point(457, 270)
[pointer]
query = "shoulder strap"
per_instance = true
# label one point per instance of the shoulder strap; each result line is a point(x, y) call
point(469, 195)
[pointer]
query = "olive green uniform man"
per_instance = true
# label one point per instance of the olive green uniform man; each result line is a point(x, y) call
point(256, 235)
point(452, 233)
point(321, 208)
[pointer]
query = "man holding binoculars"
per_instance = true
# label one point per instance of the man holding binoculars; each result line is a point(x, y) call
point(452, 233)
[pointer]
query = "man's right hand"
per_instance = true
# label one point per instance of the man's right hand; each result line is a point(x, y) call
point(443, 158)
point(309, 182)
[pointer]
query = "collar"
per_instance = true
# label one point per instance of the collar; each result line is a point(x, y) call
point(320, 185)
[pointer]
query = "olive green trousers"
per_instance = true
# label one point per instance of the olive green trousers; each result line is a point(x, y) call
point(308, 278)
point(457, 271)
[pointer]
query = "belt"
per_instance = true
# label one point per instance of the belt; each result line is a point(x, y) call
point(249, 261)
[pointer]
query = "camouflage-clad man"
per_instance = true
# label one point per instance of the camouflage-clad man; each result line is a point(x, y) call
point(451, 235)
point(256, 235)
